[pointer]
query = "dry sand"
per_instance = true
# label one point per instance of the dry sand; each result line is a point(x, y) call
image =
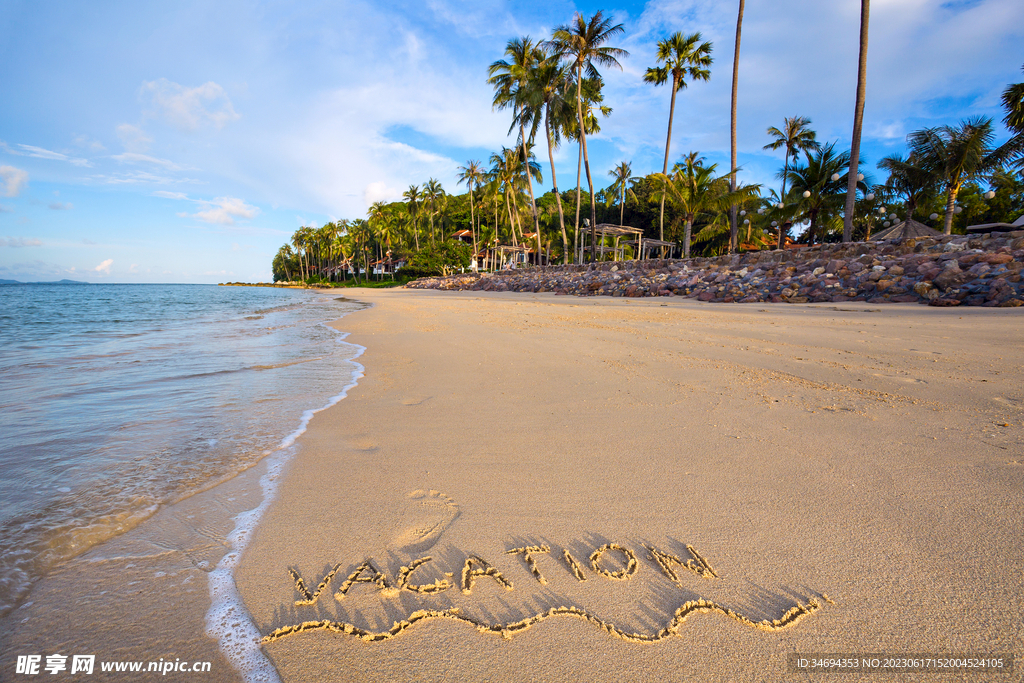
point(781, 454)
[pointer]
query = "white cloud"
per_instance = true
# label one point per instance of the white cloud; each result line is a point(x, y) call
point(89, 143)
point(41, 153)
point(189, 108)
point(379, 191)
point(12, 181)
point(223, 211)
point(133, 138)
point(133, 268)
point(105, 266)
point(135, 158)
point(18, 242)
point(169, 195)
point(61, 206)
point(137, 177)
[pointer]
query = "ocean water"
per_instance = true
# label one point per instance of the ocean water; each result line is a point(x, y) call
point(117, 399)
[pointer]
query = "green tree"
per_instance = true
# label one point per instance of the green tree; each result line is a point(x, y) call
point(682, 57)
point(820, 198)
point(621, 189)
point(512, 89)
point(958, 154)
point(795, 136)
point(733, 227)
point(413, 198)
point(694, 189)
point(472, 174)
point(858, 118)
point(908, 181)
point(582, 44)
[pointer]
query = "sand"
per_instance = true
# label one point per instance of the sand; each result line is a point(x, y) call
point(613, 489)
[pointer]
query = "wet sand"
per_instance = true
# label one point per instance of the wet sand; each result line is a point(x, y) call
point(704, 488)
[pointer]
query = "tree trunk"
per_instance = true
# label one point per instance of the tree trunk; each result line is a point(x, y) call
point(586, 162)
point(472, 223)
point(952, 192)
point(858, 117)
point(686, 238)
point(577, 242)
point(664, 166)
point(785, 172)
point(558, 197)
point(529, 184)
point(733, 227)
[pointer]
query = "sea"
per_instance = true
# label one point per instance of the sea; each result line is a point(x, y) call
point(118, 399)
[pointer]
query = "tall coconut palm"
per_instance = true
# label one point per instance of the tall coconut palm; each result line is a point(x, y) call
point(795, 136)
point(432, 192)
point(550, 99)
point(620, 189)
point(681, 57)
point(413, 198)
point(957, 154)
point(592, 106)
point(695, 189)
point(858, 117)
point(473, 175)
point(512, 81)
point(581, 43)
point(733, 227)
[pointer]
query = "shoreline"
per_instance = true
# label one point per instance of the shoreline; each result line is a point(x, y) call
point(763, 444)
point(169, 544)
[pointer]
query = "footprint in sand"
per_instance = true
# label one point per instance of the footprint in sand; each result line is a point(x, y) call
point(428, 515)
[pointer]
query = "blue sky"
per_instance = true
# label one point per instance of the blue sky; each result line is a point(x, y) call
point(185, 141)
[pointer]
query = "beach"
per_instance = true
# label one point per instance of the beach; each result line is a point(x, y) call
point(624, 489)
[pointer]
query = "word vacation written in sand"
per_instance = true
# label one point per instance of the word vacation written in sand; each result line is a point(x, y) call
point(609, 561)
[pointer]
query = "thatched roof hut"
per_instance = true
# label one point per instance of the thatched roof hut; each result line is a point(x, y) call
point(904, 230)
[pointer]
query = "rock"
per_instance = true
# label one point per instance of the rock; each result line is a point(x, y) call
point(943, 302)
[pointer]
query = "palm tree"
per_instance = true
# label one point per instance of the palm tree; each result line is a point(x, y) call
point(683, 57)
point(820, 198)
point(581, 44)
point(957, 154)
point(908, 180)
point(472, 174)
point(733, 227)
point(548, 98)
point(592, 97)
point(858, 117)
point(795, 136)
point(623, 175)
point(432, 191)
point(413, 197)
point(694, 189)
point(1013, 103)
point(512, 84)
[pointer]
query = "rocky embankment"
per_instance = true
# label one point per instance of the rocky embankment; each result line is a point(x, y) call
point(975, 270)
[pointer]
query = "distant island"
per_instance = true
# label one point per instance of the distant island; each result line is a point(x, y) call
point(57, 282)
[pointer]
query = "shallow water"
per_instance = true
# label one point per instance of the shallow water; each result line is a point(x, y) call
point(116, 399)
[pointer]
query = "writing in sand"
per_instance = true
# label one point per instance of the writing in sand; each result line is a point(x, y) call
point(610, 561)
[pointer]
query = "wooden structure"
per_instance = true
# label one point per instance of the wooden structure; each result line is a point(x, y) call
point(605, 230)
point(997, 227)
point(647, 244)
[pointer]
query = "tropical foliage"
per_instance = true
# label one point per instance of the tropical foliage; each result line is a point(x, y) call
point(950, 176)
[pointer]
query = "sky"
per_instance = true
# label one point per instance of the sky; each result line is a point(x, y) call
point(186, 141)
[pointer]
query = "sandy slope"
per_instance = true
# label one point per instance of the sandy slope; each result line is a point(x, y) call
point(871, 455)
